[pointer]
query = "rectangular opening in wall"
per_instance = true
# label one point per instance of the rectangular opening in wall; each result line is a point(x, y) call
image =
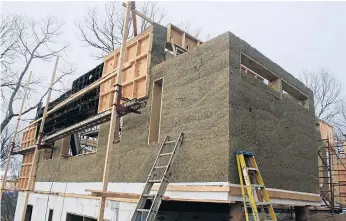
point(255, 69)
point(293, 93)
point(28, 213)
point(47, 154)
point(74, 217)
point(50, 215)
point(155, 119)
point(83, 142)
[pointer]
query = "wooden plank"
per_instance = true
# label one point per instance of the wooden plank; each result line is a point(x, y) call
point(114, 123)
point(107, 194)
point(134, 18)
point(31, 181)
point(65, 146)
point(277, 194)
point(130, 197)
point(8, 162)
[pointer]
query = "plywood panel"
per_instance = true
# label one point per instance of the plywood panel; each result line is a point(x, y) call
point(177, 37)
point(327, 133)
point(25, 171)
point(342, 180)
point(181, 38)
point(141, 67)
point(136, 70)
point(140, 88)
point(28, 138)
point(143, 45)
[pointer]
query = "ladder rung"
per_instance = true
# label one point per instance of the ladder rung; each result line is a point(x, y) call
point(171, 141)
point(154, 181)
point(160, 167)
point(152, 196)
point(143, 210)
point(165, 154)
point(262, 203)
point(257, 185)
point(252, 168)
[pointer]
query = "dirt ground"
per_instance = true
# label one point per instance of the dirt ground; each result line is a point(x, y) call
point(328, 217)
point(315, 217)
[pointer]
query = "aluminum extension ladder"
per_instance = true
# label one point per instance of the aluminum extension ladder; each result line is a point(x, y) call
point(248, 171)
point(160, 174)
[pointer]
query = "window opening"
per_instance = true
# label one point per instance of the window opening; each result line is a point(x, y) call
point(155, 119)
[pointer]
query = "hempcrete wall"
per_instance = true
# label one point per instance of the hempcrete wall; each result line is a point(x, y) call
point(195, 102)
point(220, 110)
point(280, 132)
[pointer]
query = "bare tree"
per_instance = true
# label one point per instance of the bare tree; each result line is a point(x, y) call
point(104, 33)
point(339, 122)
point(5, 144)
point(8, 205)
point(186, 26)
point(23, 41)
point(327, 90)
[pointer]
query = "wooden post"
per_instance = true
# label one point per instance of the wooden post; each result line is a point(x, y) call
point(32, 177)
point(8, 163)
point(134, 18)
point(114, 123)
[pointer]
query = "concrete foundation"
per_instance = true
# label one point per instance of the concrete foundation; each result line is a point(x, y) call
point(302, 213)
point(236, 212)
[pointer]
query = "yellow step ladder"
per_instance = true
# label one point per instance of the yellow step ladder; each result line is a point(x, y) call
point(249, 172)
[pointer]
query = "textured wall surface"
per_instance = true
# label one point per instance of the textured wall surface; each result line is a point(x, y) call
point(280, 132)
point(220, 109)
point(195, 101)
point(195, 88)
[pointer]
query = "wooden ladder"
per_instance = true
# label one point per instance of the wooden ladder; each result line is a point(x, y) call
point(160, 173)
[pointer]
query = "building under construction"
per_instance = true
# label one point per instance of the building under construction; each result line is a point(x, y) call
point(210, 98)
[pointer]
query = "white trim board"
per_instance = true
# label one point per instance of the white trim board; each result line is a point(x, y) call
point(218, 195)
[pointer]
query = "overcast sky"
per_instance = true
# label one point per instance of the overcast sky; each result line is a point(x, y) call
point(296, 35)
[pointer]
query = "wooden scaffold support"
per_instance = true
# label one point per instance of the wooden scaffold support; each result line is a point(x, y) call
point(32, 177)
point(114, 122)
point(13, 143)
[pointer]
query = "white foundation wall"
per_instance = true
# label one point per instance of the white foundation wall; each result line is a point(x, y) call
point(114, 211)
point(121, 211)
point(42, 203)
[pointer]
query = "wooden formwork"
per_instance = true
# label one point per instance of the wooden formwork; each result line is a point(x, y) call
point(179, 37)
point(342, 181)
point(327, 133)
point(28, 138)
point(135, 71)
point(25, 171)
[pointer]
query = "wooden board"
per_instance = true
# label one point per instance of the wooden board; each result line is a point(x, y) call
point(25, 171)
point(233, 190)
point(28, 138)
point(342, 181)
point(327, 132)
point(135, 72)
point(181, 38)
